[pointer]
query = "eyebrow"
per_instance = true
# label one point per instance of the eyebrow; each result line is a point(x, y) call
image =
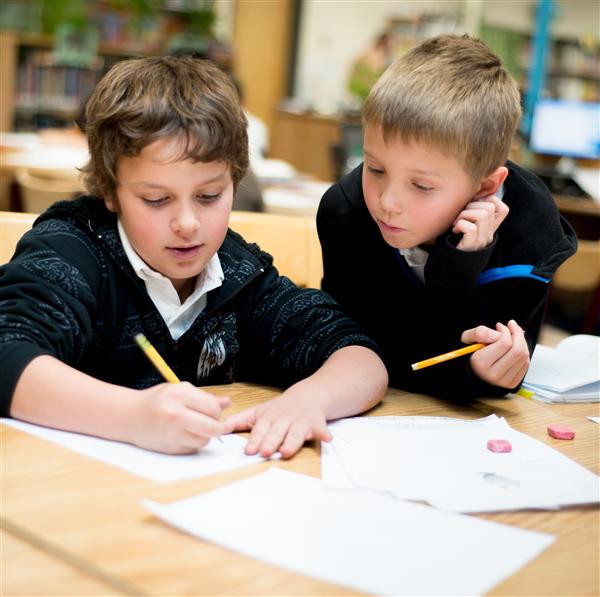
point(152, 185)
point(426, 172)
point(413, 170)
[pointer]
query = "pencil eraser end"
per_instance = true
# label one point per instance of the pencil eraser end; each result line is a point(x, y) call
point(414, 367)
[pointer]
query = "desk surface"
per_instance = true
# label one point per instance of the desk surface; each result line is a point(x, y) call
point(575, 205)
point(87, 514)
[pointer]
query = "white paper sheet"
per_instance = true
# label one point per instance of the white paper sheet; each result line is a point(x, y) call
point(594, 419)
point(215, 457)
point(450, 467)
point(339, 466)
point(366, 542)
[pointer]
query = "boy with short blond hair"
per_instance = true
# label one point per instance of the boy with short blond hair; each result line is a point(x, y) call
point(150, 251)
point(436, 238)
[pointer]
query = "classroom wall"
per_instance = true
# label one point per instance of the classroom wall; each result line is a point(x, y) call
point(334, 33)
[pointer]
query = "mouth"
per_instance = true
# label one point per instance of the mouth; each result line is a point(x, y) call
point(185, 252)
point(389, 228)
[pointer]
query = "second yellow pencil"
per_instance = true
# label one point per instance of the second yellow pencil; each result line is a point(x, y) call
point(459, 352)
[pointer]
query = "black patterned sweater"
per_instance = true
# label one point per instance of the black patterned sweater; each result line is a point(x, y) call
point(70, 292)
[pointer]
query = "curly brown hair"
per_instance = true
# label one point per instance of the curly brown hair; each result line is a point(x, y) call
point(145, 99)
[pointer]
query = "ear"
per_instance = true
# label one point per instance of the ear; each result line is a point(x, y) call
point(111, 204)
point(491, 183)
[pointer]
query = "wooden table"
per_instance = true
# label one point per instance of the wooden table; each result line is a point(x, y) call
point(67, 517)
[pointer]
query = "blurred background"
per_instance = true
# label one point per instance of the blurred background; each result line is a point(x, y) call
point(303, 69)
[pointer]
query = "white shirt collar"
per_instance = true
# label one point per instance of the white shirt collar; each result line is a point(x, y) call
point(417, 259)
point(177, 315)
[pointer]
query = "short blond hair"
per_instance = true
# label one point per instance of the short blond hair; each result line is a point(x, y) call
point(451, 92)
point(145, 99)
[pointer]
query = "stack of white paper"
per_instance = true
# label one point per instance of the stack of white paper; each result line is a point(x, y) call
point(446, 463)
point(568, 373)
point(365, 542)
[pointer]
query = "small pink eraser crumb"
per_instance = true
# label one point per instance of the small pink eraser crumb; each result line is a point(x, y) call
point(499, 445)
point(560, 432)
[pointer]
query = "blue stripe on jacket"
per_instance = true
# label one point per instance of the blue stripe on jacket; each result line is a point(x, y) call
point(510, 271)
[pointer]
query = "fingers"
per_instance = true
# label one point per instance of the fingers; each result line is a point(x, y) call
point(469, 240)
point(286, 436)
point(200, 425)
point(224, 402)
point(517, 360)
point(297, 435)
point(480, 334)
point(242, 421)
point(267, 436)
point(504, 362)
point(197, 399)
point(190, 443)
point(202, 412)
point(514, 376)
point(176, 418)
point(478, 222)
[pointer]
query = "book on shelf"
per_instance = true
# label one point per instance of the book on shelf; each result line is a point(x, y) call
point(568, 373)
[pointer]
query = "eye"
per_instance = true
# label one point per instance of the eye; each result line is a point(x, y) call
point(375, 171)
point(206, 198)
point(422, 187)
point(154, 202)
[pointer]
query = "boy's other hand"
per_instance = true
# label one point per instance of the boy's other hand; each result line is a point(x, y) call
point(282, 424)
point(505, 359)
point(478, 222)
point(176, 418)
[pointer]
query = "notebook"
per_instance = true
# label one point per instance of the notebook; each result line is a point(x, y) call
point(568, 373)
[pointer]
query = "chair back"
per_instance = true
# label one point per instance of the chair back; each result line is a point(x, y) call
point(13, 225)
point(581, 272)
point(291, 240)
point(38, 192)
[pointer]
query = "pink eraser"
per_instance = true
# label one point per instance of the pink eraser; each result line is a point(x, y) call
point(499, 445)
point(560, 432)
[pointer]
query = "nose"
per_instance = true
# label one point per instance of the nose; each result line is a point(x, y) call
point(389, 200)
point(185, 221)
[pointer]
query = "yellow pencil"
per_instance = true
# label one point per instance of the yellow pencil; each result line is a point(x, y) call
point(447, 356)
point(156, 359)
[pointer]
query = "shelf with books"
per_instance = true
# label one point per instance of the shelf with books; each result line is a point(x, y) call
point(47, 86)
point(572, 71)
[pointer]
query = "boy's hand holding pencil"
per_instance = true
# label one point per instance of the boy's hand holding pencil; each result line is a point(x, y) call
point(500, 356)
point(176, 417)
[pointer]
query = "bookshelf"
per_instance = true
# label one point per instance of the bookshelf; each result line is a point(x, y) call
point(49, 93)
point(572, 65)
point(51, 63)
point(573, 68)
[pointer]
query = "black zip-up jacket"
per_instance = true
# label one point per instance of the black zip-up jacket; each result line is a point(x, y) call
point(70, 292)
point(412, 321)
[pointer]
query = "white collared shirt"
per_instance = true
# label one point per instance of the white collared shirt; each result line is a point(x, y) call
point(416, 258)
point(177, 315)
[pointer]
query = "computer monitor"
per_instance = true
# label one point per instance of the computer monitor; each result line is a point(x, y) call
point(566, 128)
